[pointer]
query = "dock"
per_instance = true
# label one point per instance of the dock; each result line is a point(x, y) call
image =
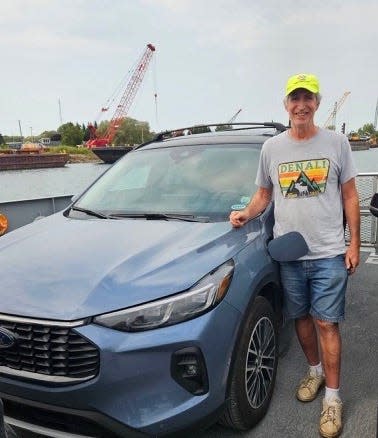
point(288, 417)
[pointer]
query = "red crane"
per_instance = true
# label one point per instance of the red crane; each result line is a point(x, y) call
point(124, 104)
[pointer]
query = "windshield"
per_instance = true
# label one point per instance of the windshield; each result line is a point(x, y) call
point(201, 181)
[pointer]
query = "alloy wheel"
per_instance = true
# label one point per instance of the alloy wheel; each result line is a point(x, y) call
point(260, 362)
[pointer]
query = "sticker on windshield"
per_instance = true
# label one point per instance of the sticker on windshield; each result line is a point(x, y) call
point(237, 206)
point(245, 199)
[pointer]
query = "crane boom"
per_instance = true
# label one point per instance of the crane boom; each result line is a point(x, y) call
point(234, 116)
point(337, 106)
point(124, 104)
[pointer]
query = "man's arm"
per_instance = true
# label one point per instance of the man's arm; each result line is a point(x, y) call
point(258, 203)
point(352, 214)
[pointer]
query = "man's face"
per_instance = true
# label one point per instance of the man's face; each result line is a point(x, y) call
point(301, 105)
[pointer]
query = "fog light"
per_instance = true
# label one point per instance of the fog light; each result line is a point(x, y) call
point(192, 370)
point(188, 369)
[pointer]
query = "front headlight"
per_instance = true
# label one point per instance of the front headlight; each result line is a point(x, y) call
point(200, 298)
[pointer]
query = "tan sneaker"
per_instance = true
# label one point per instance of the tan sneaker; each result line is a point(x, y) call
point(330, 419)
point(309, 387)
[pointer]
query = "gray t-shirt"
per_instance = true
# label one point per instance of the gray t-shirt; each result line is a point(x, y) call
point(306, 177)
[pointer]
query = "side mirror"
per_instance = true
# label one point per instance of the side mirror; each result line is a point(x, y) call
point(288, 247)
point(373, 207)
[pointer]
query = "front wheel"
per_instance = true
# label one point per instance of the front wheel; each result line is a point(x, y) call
point(253, 373)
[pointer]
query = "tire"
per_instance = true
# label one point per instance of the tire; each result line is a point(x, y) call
point(253, 373)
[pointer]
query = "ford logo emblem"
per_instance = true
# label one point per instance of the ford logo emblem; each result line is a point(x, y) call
point(7, 338)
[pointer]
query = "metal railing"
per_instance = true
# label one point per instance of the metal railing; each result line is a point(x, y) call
point(367, 185)
point(23, 212)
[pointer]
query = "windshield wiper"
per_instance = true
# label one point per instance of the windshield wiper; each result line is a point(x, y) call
point(90, 212)
point(158, 216)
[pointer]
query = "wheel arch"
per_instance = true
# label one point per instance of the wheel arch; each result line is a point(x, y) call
point(271, 291)
point(234, 410)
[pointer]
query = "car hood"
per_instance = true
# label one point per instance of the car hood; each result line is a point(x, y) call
point(66, 269)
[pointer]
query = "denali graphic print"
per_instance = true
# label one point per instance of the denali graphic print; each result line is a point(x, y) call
point(303, 178)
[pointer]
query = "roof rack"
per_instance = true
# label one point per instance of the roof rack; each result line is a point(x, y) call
point(199, 129)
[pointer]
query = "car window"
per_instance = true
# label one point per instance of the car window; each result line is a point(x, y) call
point(136, 178)
point(206, 180)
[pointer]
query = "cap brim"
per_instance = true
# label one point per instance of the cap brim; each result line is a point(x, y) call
point(306, 87)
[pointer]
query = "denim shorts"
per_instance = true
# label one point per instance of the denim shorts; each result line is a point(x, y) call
point(315, 287)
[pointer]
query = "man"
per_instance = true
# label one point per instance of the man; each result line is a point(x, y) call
point(310, 175)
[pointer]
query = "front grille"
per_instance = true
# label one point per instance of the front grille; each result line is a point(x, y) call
point(63, 423)
point(46, 352)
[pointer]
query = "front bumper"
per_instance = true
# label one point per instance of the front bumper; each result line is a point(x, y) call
point(134, 391)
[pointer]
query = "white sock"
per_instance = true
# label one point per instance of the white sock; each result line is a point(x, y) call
point(332, 394)
point(316, 370)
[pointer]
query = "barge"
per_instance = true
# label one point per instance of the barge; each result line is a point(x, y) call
point(16, 160)
point(360, 145)
point(110, 154)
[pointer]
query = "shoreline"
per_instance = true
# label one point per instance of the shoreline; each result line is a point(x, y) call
point(83, 158)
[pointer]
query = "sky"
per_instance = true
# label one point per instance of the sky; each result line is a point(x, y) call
point(61, 60)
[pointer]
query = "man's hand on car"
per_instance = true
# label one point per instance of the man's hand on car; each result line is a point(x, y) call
point(238, 218)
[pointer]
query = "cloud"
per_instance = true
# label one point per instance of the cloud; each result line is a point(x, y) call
point(212, 57)
point(266, 24)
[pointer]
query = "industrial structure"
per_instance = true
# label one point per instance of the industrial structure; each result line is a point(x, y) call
point(127, 98)
point(234, 116)
point(331, 120)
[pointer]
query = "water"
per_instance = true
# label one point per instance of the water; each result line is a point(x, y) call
point(73, 178)
point(366, 161)
point(40, 183)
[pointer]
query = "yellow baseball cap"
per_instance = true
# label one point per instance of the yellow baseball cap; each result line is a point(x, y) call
point(303, 80)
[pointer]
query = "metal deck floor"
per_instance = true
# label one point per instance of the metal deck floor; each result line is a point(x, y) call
point(289, 418)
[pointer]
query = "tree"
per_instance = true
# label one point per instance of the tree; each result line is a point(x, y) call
point(47, 134)
point(8, 138)
point(130, 132)
point(56, 137)
point(1, 139)
point(223, 127)
point(72, 135)
point(200, 129)
point(87, 134)
point(101, 128)
point(367, 129)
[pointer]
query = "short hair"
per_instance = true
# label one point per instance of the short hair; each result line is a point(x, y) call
point(318, 98)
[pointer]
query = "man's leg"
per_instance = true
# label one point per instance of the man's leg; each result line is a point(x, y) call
point(297, 303)
point(307, 336)
point(309, 386)
point(330, 345)
point(328, 285)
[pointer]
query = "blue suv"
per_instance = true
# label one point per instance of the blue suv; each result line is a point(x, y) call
point(139, 310)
